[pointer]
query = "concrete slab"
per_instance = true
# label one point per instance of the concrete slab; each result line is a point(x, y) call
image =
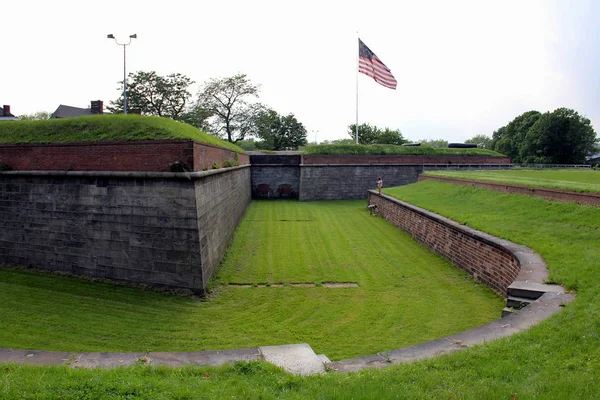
point(213, 358)
point(106, 360)
point(34, 357)
point(298, 359)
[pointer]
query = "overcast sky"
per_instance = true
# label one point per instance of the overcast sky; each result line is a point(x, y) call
point(463, 67)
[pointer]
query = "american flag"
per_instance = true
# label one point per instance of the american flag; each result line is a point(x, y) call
point(370, 65)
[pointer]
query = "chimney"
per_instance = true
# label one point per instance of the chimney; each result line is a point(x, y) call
point(6, 110)
point(97, 106)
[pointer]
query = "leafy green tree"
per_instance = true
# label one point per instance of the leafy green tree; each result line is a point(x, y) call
point(509, 139)
point(279, 132)
point(559, 137)
point(233, 115)
point(483, 141)
point(439, 143)
point(370, 134)
point(40, 115)
point(198, 117)
point(151, 94)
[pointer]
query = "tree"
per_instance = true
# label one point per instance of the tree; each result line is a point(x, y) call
point(370, 134)
point(227, 99)
point(481, 140)
point(151, 94)
point(40, 115)
point(438, 143)
point(559, 137)
point(197, 117)
point(509, 139)
point(279, 132)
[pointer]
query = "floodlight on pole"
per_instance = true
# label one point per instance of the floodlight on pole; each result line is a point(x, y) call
point(134, 36)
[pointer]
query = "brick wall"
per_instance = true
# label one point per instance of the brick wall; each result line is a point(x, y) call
point(162, 230)
point(483, 256)
point(399, 159)
point(591, 199)
point(206, 155)
point(146, 155)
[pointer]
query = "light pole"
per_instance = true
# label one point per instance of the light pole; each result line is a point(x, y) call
point(134, 36)
point(315, 132)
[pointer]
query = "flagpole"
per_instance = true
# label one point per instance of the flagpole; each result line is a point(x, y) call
point(357, 67)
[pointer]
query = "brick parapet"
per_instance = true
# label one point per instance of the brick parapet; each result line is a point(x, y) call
point(491, 260)
point(592, 199)
point(143, 155)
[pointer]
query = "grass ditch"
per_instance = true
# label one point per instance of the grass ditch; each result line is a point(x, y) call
point(557, 359)
point(587, 180)
point(406, 294)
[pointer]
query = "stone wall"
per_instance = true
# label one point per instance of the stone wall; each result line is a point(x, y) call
point(274, 176)
point(144, 155)
point(337, 182)
point(488, 259)
point(162, 229)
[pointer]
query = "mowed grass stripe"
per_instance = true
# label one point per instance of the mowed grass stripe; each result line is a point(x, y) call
point(406, 293)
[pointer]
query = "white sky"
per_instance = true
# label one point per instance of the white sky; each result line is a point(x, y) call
point(463, 67)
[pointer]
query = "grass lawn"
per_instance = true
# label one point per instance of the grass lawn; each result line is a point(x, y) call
point(406, 294)
point(557, 359)
point(579, 180)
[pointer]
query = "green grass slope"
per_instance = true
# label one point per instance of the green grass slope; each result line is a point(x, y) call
point(557, 359)
point(118, 127)
point(388, 149)
point(576, 180)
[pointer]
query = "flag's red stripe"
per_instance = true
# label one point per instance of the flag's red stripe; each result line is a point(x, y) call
point(377, 70)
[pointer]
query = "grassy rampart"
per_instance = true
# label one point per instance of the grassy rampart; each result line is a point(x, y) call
point(104, 128)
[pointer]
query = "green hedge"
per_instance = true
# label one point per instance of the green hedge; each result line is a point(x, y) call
point(98, 128)
point(389, 149)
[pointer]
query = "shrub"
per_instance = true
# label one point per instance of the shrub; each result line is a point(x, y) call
point(5, 167)
point(178, 166)
point(216, 165)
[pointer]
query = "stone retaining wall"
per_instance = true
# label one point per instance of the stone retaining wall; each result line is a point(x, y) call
point(592, 199)
point(161, 229)
point(488, 259)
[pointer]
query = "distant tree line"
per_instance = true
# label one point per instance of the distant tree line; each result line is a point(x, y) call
point(228, 108)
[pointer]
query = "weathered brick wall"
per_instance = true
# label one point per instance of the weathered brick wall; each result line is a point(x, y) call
point(591, 199)
point(275, 176)
point(399, 159)
point(336, 182)
point(206, 155)
point(478, 253)
point(145, 155)
point(157, 230)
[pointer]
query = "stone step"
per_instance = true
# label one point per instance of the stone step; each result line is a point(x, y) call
point(532, 290)
point(518, 302)
point(507, 311)
point(298, 359)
